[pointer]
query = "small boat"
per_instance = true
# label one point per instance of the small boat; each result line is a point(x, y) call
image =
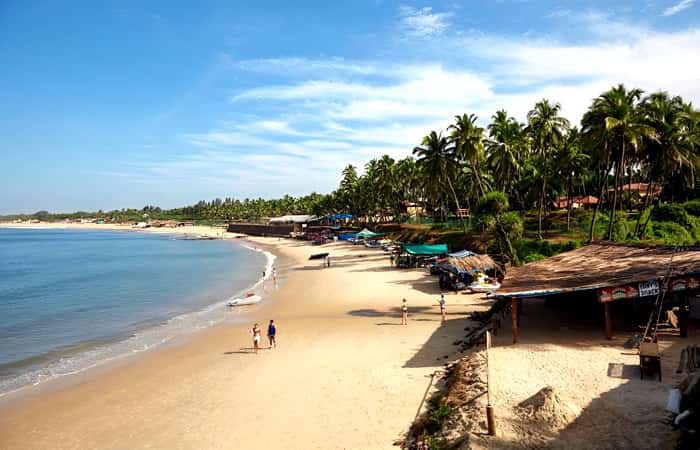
point(249, 299)
point(488, 287)
point(482, 283)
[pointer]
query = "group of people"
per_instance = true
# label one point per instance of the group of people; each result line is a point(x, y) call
point(271, 335)
point(404, 309)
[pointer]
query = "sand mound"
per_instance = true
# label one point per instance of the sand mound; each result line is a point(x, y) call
point(546, 407)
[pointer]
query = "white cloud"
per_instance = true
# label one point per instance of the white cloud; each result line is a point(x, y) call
point(326, 113)
point(423, 22)
point(678, 7)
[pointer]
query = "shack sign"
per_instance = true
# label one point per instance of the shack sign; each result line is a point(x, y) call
point(649, 288)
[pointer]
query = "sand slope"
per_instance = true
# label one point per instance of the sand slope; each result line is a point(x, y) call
point(345, 375)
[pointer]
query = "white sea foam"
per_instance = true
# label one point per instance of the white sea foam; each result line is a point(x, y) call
point(141, 341)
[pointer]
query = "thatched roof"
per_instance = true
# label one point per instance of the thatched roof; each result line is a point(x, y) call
point(469, 263)
point(598, 265)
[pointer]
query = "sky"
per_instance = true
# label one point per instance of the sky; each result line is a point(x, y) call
point(107, 105)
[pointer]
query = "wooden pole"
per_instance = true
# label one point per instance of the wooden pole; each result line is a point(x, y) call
point(490, 419)
point(514, 314)
point(608, 321)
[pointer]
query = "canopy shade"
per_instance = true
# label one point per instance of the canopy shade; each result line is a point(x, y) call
point(340, 216)
point(368, 234)
point(425, 249)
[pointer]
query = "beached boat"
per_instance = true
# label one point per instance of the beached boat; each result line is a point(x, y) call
point(488, 287)
point(483, 283)
point(249, 299)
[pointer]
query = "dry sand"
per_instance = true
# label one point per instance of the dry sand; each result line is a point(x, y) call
point(345, 374)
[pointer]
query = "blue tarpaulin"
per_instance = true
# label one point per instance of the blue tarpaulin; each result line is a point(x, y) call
point(340, 216)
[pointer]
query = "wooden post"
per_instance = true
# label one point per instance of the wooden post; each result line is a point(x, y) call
point(490, 419)
point(514, 314)
point(683, 312)
point(608, 322)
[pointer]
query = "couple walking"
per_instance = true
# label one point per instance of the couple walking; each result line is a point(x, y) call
point(271, 333)
point(404, 309)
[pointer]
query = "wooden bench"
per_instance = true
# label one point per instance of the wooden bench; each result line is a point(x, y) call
point(649, 358)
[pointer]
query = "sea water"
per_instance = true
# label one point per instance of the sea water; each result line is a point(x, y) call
point(72, 299)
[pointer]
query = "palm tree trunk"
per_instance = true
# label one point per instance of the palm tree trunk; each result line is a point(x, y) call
point(478, 179)
point(618, 171)
point(541, 202)
point(603, 184)
point(568, 205)
point(464, 223)
point(644, 207)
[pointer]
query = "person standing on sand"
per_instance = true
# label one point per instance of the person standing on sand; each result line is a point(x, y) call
point(274, 274)
point(271, 332)
point(255, 331)
point(404, 312)
point(443, 305)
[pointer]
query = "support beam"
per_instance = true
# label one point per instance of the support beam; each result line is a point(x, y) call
point(515, 314)
point(608, 321)
point(683, 313)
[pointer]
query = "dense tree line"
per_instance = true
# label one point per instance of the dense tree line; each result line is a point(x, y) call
point(624, 137)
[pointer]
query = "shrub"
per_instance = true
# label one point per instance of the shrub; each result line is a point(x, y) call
point(669, 212)
point(670, 233)
point(692, 207)
point(439, 415)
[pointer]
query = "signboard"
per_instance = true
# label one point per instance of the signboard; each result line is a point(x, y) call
point(616, 293)
point(649, 288)
point(685, 283)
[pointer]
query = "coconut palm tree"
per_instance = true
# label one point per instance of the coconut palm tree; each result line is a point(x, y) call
point(468, 140)
point(546, 129)
point(505, 149)
point(619, 122)
point(672, 149)
point(438, 166)
point(571, 163)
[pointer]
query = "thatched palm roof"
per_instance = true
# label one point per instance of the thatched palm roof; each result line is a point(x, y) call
point(469, 263)
point(598, 265)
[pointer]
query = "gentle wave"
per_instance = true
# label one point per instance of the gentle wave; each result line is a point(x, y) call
point(72, 363)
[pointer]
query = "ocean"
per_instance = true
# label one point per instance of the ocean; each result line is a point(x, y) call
point(73, 299)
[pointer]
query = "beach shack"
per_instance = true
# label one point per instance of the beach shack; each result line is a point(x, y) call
point(461, 267)
point(611, 273)
point(414, 255)
point(298, 222)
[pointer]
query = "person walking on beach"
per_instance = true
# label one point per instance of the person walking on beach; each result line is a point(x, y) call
point(271, 332)
point(443, 305)
point(274, 274)
point(404, 312)
point(255, 331)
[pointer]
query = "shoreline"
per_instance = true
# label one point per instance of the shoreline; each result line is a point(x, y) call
point(194, 394)
point(169, 332)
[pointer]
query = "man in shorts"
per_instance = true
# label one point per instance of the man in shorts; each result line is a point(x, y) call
point(271, 332)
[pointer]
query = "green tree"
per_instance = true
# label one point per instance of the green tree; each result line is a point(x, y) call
point(546, 129)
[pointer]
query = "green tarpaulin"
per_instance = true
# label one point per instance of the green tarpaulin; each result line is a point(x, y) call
point(425, 249)
point(368, 234)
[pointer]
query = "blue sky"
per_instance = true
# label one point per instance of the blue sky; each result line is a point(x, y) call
point(123, 104)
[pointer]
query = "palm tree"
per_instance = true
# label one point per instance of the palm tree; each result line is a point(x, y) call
point(546, 128)
point(505, 148)
point(438, 166)
point(571, 163)
point(672, 149)
point(468, 139)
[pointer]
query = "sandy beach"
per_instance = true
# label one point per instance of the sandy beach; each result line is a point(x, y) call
point(346, 374)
